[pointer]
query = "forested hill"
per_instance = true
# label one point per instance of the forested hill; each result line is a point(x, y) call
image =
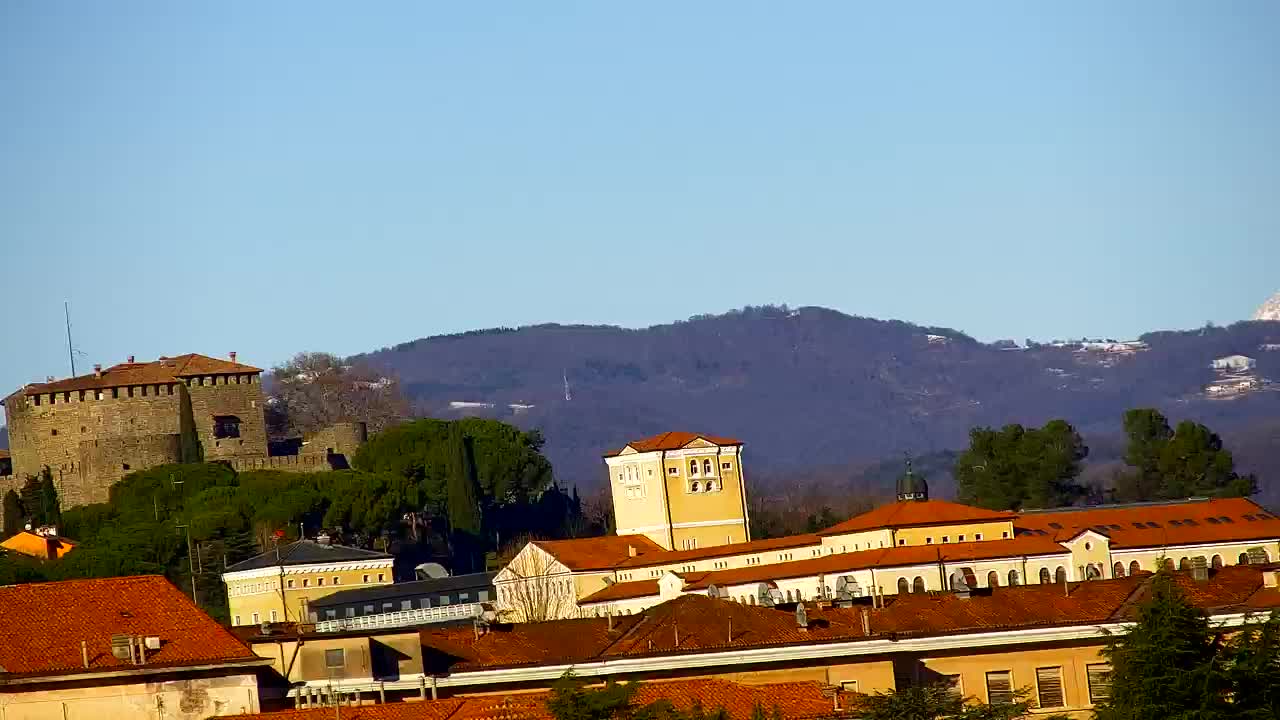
point(814, 388)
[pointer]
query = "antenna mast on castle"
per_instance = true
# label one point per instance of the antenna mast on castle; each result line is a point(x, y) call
point(71, 353)
point(567, 395)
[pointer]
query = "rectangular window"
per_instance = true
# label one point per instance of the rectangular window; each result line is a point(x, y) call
point(444, 599)
point(288, 583)
point(1049, 687)
point(928, 541)
point(673, 471)
point(368, 609)
point(960, 538)
point(334, 658)
point(366, 578)
point(255, 619)
point(946, 538)
point(1000, 687)
point(484, 594)
point(330, 614)
point(274, 616)
point(977, 536)
point(305, 582)
point(725, 466)
point(379, 577)
point(387, 607)
point(406, 604)
point(849, 686)
point(336, 580)
point(226, 426)
point(351, 612)
point(464, 597)
point(237, 620)
point(1099, 682)
point(319, 581)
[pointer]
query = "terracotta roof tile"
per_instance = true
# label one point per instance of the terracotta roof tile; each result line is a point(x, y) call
point(150, 373)
point(38, 546)
point(598, 553)
point(911, 513)
point(794, 700)
point(623, 591)
point(44, 624)
point(672, 441)
point(674, 556)
point(307, 552)
point(1157, 524)
point(694, 623)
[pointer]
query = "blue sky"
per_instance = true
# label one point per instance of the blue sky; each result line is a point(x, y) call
point(285, 176)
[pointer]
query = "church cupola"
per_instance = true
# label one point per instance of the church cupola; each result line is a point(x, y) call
point(912, 486)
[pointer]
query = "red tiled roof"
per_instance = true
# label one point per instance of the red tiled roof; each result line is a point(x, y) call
point(598, 553)
point(692, 623)
point(794, 700)
point(44, 624)
point(675, 556)
point(672, 441)
point(911, 513)
point(1157, 524)
point(900, 556)
point(623, 591)
point(150, 373)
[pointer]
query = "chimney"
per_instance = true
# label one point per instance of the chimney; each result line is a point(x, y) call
point(866, 622)
point(1199, 569)
point(84, 653)
point(130, 359)
point(631, 549)
point(233, 356)
point(97, 370)
point(48, 378)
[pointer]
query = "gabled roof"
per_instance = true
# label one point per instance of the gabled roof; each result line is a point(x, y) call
point(794, 700)
point(37, 546)
point(672, 441)
point(623, 591)
point(697, 623)
point(1185, 522)
point(674, 556)
point(913, 513)
point(44, 624)
point(598, 553)
point(307, 552)
point(164, 370)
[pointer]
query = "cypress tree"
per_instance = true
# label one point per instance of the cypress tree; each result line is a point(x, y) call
point(464, 506)
point(12, 513)
point(1166, 665)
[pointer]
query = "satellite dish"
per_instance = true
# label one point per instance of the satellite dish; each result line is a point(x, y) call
point(763, 595)
point(713, 591)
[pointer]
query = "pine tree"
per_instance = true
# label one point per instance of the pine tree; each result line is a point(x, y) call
point(1254, 669)
point(1166, 666)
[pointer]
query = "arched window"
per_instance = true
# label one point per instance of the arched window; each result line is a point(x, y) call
point(1216, 561)
point(1091, 572)
point(1117, 570)
point(993, 579)
point(706, 467)
point(1134, 568)
point(917, 585)
point(903, 588)
point(751, 599)
point(789, 596)
point(1045, 579)
point(1060, 575)
point(695, 487)
point(1013, 578)
point(711, 485)
point(1243, 559)
point(693, 467)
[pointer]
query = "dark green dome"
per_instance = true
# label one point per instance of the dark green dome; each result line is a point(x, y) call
point(912, 486)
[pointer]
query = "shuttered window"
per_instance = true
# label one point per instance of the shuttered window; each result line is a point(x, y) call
point(1049, 687)
point(1099, 682)
point(999, 687)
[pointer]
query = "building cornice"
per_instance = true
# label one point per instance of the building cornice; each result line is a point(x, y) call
point(277, 570)
point(135, 671)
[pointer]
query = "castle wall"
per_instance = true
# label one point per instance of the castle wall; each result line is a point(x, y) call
point(228, 395)
point(283, 463)
point(337, 439)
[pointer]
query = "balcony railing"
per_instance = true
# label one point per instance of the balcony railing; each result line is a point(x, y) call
point(402, 618)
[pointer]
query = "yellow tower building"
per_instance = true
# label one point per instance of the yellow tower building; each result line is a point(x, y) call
point(682, 490)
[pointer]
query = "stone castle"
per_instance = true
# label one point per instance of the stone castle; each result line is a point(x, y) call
point(92, 430)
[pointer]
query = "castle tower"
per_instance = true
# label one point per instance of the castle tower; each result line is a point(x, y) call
point(682, 490)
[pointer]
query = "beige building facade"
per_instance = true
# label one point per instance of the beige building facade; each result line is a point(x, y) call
point(279, 587)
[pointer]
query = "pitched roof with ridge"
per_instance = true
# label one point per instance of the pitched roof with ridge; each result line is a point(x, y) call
point(794, 700)
point(672, 441)
point(697, 623)
point(44, 624)
point(598, 553)
point(673, 556)
point(307, 552)
point(912, 513)
point(34, 545)
point(1153, 524)
point(164, 370)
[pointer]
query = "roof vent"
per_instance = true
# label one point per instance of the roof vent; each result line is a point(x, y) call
point(122, 647)
point(1199, 569)
point(130, 359)
point(802, 617)
point(631, 551)
point(97, 370)
point(153, 642)
point(48, 378)
point(233, 356)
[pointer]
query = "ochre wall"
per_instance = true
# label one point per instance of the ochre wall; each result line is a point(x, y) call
point(921, 535)
point(245, 596)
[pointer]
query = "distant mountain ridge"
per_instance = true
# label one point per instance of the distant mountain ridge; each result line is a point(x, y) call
point(812, 387)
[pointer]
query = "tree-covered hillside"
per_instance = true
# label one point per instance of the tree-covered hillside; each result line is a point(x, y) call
point(815, 388)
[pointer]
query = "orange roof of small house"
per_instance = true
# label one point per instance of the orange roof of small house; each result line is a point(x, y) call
point(794, 701)
point(164, 370)
point(45, 624)
point(598, 553)
point(912, 513)
point(39, 546)
point(672, 441)
point(1184, 522)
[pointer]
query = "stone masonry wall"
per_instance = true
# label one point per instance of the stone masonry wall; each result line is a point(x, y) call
point(236, 395)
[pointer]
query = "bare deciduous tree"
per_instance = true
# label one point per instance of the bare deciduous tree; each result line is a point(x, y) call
point(314, 390)
point(534, 587)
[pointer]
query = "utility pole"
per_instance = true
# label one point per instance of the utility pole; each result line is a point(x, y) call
point(191, 563)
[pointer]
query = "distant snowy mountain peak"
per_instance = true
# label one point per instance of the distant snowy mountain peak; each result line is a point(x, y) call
point(1269, 310)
